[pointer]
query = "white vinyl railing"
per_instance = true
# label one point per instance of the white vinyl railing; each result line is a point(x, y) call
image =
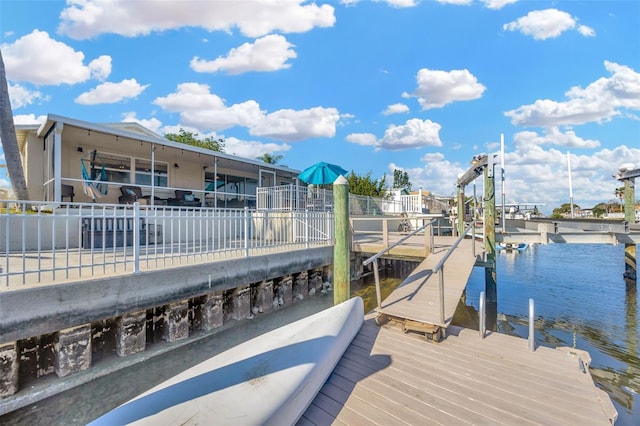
point(292, 197)
point(48, 242)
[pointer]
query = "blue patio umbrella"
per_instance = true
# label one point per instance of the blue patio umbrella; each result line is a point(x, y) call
point(322, 173)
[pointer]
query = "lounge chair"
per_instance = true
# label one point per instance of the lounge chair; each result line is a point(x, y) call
point(184, 199)
point(131, 194)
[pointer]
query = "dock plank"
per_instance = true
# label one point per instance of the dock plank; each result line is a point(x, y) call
point(389, 377)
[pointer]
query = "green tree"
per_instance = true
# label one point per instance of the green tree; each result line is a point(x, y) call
point(401, 180)
point(190, 138)
point(270, 159)
point(600, 209)
point(563, 210)
point(365, 185)
point(10, 140)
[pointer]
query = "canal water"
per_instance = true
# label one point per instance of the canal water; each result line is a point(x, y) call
point(580, 300)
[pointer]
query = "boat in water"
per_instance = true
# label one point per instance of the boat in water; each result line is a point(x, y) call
point(268, 380)
point(512, 247)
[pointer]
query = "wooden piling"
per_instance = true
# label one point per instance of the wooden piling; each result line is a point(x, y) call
point(490, 277)
point(630, 255)
point(341, 249)
point(461, 210)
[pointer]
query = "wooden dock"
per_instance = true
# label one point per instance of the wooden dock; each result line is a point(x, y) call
point(417, 298)
point(389, 377)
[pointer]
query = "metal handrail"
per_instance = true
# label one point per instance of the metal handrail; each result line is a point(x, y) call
point(400, 241)
point(453, 247)
point(440, 265)
point(375, 257)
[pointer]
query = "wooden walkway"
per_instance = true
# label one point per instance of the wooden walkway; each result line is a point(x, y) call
point(417, 298)
point(387, 377)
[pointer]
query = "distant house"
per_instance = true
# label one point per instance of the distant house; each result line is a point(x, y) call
point(121, 162)
point(583, 213)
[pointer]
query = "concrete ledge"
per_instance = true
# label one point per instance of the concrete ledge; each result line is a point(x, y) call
point(47, 309)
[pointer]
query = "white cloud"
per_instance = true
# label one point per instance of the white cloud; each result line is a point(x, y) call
point(439, 88)
point(599, 101)
point(290, 125)
point(553, 136)
point(269, 53)
point(29, 119)
point(152, 124)
point(110, 93)
point(200, 108)
point(252, 149)
point(401, 3)
point(586, 31)
point(415, 133)
point(535, 175)
point(84, 19)
point(456, 2)
point(497, 4)
point(21, 96)
point(396, 109)
point(438, 175)
point(100, 68)
point(39, 59)
point(548, 23)
point(367, 139)
point(392, 3)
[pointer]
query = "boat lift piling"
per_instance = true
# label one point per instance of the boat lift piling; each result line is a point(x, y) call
point(627, 174)
point(485, 164)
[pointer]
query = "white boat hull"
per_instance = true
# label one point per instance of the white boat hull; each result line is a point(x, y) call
point(269, 380)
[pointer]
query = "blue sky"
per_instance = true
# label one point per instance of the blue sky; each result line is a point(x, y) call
point(373, 86)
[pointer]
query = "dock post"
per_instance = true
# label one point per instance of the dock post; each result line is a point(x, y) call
point(482, 313)
point(376, 275)
point(341, 249)
point(490, 245)
point(630, 265)
point(532, 330)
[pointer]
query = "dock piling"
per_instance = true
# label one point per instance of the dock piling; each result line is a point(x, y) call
point(341, 249)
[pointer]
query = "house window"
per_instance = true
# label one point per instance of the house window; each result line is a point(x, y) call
point(117, 168)
point(143, 173)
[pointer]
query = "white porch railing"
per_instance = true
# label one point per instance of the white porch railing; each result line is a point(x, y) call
point(292, 197)
point(59, 242)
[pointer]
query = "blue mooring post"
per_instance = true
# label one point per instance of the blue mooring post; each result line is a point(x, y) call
point(341, 249)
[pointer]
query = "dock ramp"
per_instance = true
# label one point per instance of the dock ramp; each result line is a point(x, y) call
point(417, 303)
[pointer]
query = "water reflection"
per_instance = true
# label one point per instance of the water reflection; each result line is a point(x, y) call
point(580, 301)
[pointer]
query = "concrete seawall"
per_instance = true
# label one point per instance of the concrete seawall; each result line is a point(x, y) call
point(41, 310)
point(66, 328)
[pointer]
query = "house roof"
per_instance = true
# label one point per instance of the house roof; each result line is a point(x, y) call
point(136, 131)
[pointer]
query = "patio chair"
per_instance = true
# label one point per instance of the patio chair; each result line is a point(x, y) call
point(184, 199)
point(131, 194)
point(66, 191)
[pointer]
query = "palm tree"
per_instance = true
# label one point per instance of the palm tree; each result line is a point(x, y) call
point(9, 140)
point(619, 192)
point(270, 159)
